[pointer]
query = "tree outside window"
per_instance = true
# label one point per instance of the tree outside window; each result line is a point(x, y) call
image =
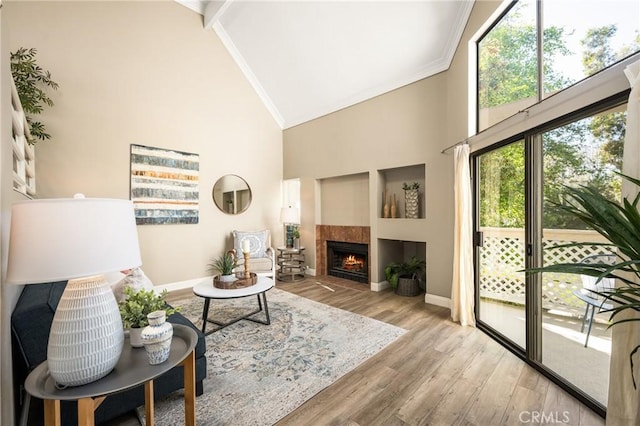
point(575, 45)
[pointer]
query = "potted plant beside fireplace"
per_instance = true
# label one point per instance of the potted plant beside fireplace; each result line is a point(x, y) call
point(406, 277)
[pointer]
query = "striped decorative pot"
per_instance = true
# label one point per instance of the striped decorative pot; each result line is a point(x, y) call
point(156, 337)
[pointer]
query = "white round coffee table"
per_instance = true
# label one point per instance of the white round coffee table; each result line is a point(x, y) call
point(206, 290)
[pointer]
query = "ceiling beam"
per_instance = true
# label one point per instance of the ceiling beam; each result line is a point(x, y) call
point(212, 12)
point(195, 5)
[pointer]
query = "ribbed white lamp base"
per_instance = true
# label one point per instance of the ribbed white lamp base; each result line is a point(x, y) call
point(86, 335)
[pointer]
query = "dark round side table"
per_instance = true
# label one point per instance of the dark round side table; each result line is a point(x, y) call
point(132, 369)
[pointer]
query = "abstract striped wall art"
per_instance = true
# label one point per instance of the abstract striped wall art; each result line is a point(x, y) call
point(164, 185)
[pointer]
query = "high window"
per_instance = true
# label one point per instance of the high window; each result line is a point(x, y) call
point(538, 48)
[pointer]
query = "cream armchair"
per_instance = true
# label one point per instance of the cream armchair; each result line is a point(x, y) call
point(262, 258)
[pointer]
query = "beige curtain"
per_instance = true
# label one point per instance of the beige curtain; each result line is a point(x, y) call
point(623, 408)
point(462, 292)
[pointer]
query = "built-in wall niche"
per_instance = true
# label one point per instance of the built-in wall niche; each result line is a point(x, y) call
point(398, 251)
point(344, 200)
point(391, 181)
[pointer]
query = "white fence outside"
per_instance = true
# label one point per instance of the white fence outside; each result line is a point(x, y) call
point(502, 256)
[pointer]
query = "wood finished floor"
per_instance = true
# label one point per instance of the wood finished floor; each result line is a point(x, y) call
point(438, 373)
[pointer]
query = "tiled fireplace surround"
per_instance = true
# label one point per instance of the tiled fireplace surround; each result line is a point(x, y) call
point(349, 234)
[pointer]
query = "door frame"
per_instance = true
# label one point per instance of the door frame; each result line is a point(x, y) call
point(533, 181)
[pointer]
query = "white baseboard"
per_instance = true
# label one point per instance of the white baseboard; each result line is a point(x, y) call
point(429, 298)
point(380, 286)
point(181, 285)
point(432, 299)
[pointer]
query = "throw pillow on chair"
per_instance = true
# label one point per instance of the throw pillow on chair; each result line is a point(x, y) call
point(261, 253)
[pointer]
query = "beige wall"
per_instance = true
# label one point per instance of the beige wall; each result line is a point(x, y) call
point(148, 73)
point(344, 200)
point(408, 126)
point(144, 73)
point(400, 128)
point(458, 74)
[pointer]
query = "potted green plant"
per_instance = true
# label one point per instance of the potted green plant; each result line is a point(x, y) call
point(136, 306)
point(408, 186)
point(224, 264)
point(619, 223)
point(296, 238)
point(406, 277)
point(30, 78)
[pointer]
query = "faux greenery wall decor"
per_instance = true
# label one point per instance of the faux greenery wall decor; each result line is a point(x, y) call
point(30, 80)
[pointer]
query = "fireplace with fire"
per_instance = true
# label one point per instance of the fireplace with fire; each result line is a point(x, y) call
point(348, 260)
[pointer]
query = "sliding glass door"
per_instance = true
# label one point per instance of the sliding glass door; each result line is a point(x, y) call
point(583, 152)
point(500, 240)
point(518, 225)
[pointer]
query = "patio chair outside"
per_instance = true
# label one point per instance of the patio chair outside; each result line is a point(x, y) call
point(591, 285)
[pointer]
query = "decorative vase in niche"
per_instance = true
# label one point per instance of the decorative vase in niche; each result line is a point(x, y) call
point(394, 207)
point(135, 337)
point(157, 337)
point(296, 243)
point(411, 203)
point(385, 209)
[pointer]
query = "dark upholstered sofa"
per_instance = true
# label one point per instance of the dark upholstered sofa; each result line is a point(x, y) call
point(30, 324)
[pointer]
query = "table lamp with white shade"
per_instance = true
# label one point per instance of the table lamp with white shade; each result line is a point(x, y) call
point(290, 216)
point(77, 239)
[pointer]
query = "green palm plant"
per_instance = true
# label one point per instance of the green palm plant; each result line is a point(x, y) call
point(394, 270)
point(619, 223)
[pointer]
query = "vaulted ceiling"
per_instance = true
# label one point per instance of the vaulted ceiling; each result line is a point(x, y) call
point(307, 59)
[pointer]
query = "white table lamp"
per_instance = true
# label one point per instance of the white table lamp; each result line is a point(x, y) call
point(78, 240)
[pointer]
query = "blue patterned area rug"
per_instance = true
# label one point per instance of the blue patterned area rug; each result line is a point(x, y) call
point(257, 374)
